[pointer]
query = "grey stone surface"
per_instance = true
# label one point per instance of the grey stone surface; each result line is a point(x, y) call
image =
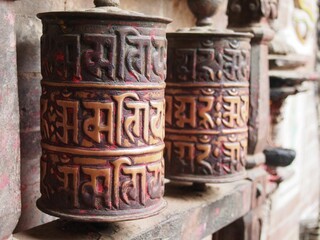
point(189, 215)
point(29, 95)
point(31, 7)
point(29, 31)
point(9, 125)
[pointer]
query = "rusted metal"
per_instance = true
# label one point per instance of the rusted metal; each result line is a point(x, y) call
point(207, 99)
point(278, 157)
point(102, 114)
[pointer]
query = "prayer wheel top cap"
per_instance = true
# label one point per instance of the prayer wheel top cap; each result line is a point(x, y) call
point(203, 10)
point(208, 30)
point(104, 10)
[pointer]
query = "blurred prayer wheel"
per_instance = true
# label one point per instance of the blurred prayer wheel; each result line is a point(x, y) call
point(207, 99)
point(102, 114)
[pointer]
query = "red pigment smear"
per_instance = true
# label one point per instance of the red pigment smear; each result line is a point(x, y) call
point(217, 211)
point(100, 188)
point(25, 206)
point(23, 187)
point(153, 34)
point(132, 74)
point(76, 79)
point(60, 57)
point(4, 181)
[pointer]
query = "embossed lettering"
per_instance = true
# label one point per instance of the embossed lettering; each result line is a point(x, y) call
point(134, 120)
point(186, 154)
point(233, 111)
point(205, 112)
point(159, 56)
point(205, 150)
point(120, 102)
point(185, 111)
point(116, 178)
point(69, 121)
point(186, 62)
point(204, 70)
point(236, 64)
point(157, 120)
point(155, 182)
point(99, 59)
point(72, 186)
point(99, 184)
point(129, 188)
point(101, 122)
point(139, 57)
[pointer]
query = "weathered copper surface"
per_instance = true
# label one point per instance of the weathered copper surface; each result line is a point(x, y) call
point(102, 114)
point(207, 104)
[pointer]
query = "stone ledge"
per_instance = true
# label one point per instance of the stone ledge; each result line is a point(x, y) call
point(189, 215)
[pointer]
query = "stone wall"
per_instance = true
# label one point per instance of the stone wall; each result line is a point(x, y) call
point(298, 197)
point(29, 30)
point(9, 125)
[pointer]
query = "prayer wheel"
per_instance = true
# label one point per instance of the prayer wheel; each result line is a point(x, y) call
point(207, 101)
point(102, 114)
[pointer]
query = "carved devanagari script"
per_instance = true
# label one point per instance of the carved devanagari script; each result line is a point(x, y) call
point(102, 117)
point(207, 107)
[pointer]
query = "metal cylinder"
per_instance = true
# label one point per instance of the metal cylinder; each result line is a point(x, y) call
point(102, 114)
point(207, 99)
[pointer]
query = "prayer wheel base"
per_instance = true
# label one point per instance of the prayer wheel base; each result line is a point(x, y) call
point(208, 179)
point(107, 216)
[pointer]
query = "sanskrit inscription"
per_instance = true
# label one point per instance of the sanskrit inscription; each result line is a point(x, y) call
point(206, 64)
point(218, 155)
point(123, 55)
point(207, 108)
point(100, 183)
point(122, 120)
point(102, 115)
point(210, 111)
